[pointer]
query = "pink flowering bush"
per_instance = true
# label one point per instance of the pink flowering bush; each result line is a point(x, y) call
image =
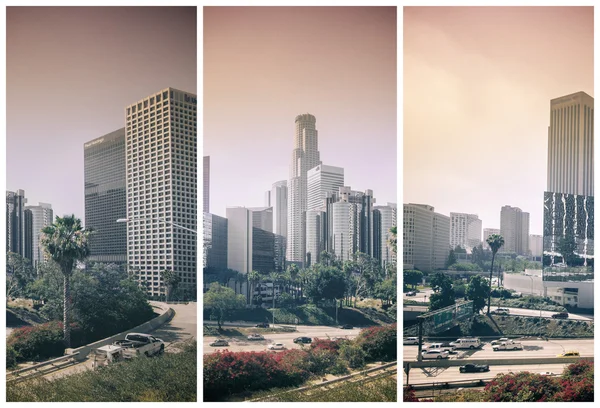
point(379, 342)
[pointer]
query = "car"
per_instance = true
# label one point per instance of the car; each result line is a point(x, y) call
point(263, 325)
point(507, 345)
point(501, 311)
point(571, 353)
point(407, 341)
point(474, 368)
point(440, 346)
point(545, 373)
point(347, 327)
point(411, 293)
point(303, 340)
point(255, 336)
point(501, 340)
point(561, 315)
point(219, 343)
point(276, 346)
point(142, 343)
point(471, 343)
point(434, 354)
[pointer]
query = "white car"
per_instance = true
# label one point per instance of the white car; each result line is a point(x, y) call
point(255, 336)
point(434, 354)
point(276, 346)
point(499, 341)
point(545, 373)
point(407, 341)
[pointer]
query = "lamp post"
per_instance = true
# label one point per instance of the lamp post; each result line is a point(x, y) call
point(531, 277)
point(159, 220)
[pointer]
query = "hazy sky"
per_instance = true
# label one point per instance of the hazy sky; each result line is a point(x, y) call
point(70, 73)
point(263, 66)
point(477, 88)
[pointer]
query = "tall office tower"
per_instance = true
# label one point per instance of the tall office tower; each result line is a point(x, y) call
point(28, 234)
point(465, 230)
point(262, 217)
point(346, 230)
point(239, 239)
point(384, 218)
point(571, 145)
point(106, 196)
point(206, 184)
point(263, 250)
point(536, 245)
point(214, 232)
point(15, 222)
point(42, 216)
point(268, 198)
point(364, 202)
point(161, 148)
point(305, 156)
point(314, 236)
point(278, 199)
point(425, 237)
point(321, 180)
point(514, 228)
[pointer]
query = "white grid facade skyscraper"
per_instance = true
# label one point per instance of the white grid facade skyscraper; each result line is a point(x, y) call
point(161, 148)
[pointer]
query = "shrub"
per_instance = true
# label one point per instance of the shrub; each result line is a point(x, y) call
point(340, 367)
point(332, 346)
point(379, 343)
point(321, 361)
point(521, 387)
point(11, 357)
point(353, 355)
point(37, 342)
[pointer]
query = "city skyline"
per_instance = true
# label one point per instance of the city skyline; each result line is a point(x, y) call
point(81, 86)
point(494, 71)
point(256, 83)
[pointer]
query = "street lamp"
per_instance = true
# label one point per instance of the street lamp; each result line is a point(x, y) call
point(531, 277)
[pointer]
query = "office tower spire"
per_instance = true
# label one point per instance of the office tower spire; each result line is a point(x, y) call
point(305, 156)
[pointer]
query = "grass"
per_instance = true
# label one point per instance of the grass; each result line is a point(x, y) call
point(168, 378)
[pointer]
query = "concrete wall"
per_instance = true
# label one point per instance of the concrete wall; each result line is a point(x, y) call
point(526, 284)
point(166, 314)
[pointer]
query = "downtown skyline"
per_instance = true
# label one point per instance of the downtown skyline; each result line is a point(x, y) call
point(494, 71)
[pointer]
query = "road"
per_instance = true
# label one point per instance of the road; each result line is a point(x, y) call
point(241, 344)
point(438, 374)
point(515, 312)
point(421, 296)
point(531, 349)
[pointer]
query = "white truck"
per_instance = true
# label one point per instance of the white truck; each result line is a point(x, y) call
point(141, 343)
point(507, 345)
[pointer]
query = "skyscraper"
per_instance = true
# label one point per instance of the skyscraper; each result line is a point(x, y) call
point(161, 148)
point(486, 233)
point(239, 239)
point(322, 180)
point(571, 145)
point(384, 218)
point(425, 237)
point(42, 216)
point(15, 222)
point(206, 184)
point(278, 200)
point(514, 228)
point(106, 196)
point(305, 156)
point(262, 217)
point(465, 230)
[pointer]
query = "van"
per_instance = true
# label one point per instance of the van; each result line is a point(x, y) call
point(467, 343)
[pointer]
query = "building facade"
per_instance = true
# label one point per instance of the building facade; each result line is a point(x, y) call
point(262, 217)
point(322, 180)
point(278, 200)
point(425, 237)
point(161, 151)
point(105, 177)
point(536, 247)
point(384, 218)
point(514, 228)
point(465, 230)
point(15, 222)
point(215, 241)
point(42, 216)
point(206, 184)
point(305, 156)
point(239, 239)
point(314, 236)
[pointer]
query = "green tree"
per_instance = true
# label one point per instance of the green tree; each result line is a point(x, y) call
point(66, 242)
point(19, 274)
point(478, 291)
point(412, 277)
point(253, 279)
point(451, 260)
point(221, 301)
point(443, 295)
point(274, 278)
point(459, 250)
point(326, 282)
point(393, 240)
point(171, 280)
point(495, 241)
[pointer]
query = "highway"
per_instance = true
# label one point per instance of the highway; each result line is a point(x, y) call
point(531, 349)
point(421, 296)
point(513, 312)
point(242, 344)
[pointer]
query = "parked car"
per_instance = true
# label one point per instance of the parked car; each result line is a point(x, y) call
point(347, 326)
point(303, 340)
point(263, 325)
point(434, 354)
point(219, 343)
point(142, 344)
point(561, 315)
point(407, 341)
point(276, 346)
point(571, 353)
point(474, 368)
point(507, 345)
point(255, 336)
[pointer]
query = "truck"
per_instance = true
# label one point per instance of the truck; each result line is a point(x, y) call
point(440, 346)
point(141, 343)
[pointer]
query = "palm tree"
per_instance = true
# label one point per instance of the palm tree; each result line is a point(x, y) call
point(239, 278)
point(253, 279)
point(274, 277)
point(303, 276)
point(66, 241)
point(495, 242)
point(292, 270)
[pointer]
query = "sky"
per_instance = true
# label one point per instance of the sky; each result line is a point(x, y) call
point(477, 88)
point(71, 71)
point(264, 66)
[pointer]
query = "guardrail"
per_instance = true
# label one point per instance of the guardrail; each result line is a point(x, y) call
point(383, 367)
point(36, 370)
point(506, 361)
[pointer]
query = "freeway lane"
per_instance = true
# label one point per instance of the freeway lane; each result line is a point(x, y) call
point(241, 344)
point(514, 311)
point(531, 349)
point(438, 374)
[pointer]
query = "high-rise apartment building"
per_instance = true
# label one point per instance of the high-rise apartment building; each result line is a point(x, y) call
point(305, 156)
point(322, 180)
point(425, 237)
point(206, 184)
point(28, 234)
point(42, 216)
point(161, 151)
point(278, 200)
point(15, 222)
point(104, 166)
point(536, 245)
point(384, 218)
point(571, 145)
point(465, 230)
point(514, 228)
point(346, 229)
point(314, 236)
